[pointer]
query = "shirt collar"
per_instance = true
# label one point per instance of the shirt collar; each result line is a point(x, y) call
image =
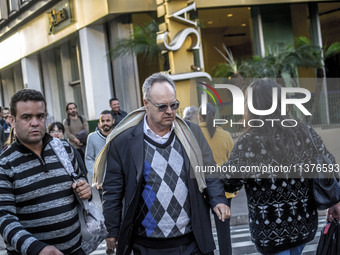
point(157, 138)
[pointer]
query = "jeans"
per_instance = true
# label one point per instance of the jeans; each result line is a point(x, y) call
point(292, 251)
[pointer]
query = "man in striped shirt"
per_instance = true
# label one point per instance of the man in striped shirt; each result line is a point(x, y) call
point(38, 213)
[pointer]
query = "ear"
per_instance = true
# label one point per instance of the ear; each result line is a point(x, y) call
point(145, 102)
point(11, 120)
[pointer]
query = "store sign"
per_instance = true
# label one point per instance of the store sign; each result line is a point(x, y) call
point(180, 37)
point(59, 17)
point(55, 17)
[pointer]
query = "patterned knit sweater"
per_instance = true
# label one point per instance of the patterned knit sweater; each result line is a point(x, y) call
point(164, 207)
point(37, 203)
point(282, 213)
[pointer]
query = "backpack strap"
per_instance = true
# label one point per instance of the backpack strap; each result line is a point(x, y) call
point(81, 119)
point(68, 120)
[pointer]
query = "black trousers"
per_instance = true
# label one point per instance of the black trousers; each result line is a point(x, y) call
point(223, 234)
point(188, 249)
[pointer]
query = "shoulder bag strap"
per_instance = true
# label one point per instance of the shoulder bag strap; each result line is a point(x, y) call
point(59, 149)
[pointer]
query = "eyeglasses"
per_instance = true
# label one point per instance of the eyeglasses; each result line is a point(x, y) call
point(56, 132)
point(164, 107)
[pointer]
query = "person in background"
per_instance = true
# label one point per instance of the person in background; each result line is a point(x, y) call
point(282, 212)
point(96, 141)
point(2, 120)
point(38, 204)
point(190, 113)
point(7, 117)
point(76, 128)
point(221, 145)
point(57, 130)
point(10, 139)
point(116, 112)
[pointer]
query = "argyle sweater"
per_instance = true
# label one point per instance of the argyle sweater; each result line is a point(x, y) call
point(164, 204)
point(37, 203)
point(282, 213)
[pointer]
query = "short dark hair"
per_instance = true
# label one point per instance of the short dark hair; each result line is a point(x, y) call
point(114, 99)
point(69, 105)
point(6, 108)
point(57, 124)
point(25, 95)
point(106, 112)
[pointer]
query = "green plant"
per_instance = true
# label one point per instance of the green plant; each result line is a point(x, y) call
point(228, 68)
point(142, 43)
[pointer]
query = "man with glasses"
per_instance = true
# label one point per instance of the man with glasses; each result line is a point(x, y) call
point(153, 200)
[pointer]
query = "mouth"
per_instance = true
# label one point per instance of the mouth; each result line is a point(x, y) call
point(168, 118)
point(35, 132)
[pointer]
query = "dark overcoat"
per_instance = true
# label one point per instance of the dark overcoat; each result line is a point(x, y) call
point(122, 189)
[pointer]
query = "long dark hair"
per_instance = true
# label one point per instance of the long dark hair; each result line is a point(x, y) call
point(280, 139)
point(209, 119)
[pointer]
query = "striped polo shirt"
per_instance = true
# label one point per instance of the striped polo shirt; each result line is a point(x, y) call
point(37, 203)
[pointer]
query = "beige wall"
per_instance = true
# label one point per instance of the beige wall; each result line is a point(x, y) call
point(34, 36)
point(219, 3)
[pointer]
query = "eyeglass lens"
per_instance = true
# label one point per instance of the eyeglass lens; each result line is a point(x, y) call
point(164, 107)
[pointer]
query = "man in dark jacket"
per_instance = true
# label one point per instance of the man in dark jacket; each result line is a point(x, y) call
point(151, 204)
point(116, 112)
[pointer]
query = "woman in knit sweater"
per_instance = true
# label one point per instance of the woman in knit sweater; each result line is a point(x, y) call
point(282, 213)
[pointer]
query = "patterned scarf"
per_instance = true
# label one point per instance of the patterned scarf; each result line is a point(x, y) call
point(182, 131)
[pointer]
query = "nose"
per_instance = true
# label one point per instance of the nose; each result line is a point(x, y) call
point(168, 109)
point(34, 122)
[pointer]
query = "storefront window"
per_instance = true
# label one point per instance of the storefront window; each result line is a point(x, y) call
point(228, 26)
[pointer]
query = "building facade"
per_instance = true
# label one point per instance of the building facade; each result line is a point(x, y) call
point(63, 47)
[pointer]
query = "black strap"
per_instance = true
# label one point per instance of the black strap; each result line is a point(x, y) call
point(68, 120)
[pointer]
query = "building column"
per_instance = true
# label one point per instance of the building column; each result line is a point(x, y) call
point(259, 49)
point(125, 71)
point(8, 86)
point(317, 40)
point(66, 72)
point(52, 95)
point(95, 69)
point(31, 72)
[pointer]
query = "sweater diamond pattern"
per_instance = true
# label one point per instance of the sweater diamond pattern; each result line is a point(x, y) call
point(164, 206)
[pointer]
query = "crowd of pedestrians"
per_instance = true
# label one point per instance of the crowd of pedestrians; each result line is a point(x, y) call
point(144, 166)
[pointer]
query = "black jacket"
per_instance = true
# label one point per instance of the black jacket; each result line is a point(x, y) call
point(122, 189)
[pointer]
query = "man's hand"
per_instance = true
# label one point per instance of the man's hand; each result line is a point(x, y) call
point(77, 141)
point(111, 243)
point(50, 250)
point(83, 189)
point(334, 212)
point(222, 211)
